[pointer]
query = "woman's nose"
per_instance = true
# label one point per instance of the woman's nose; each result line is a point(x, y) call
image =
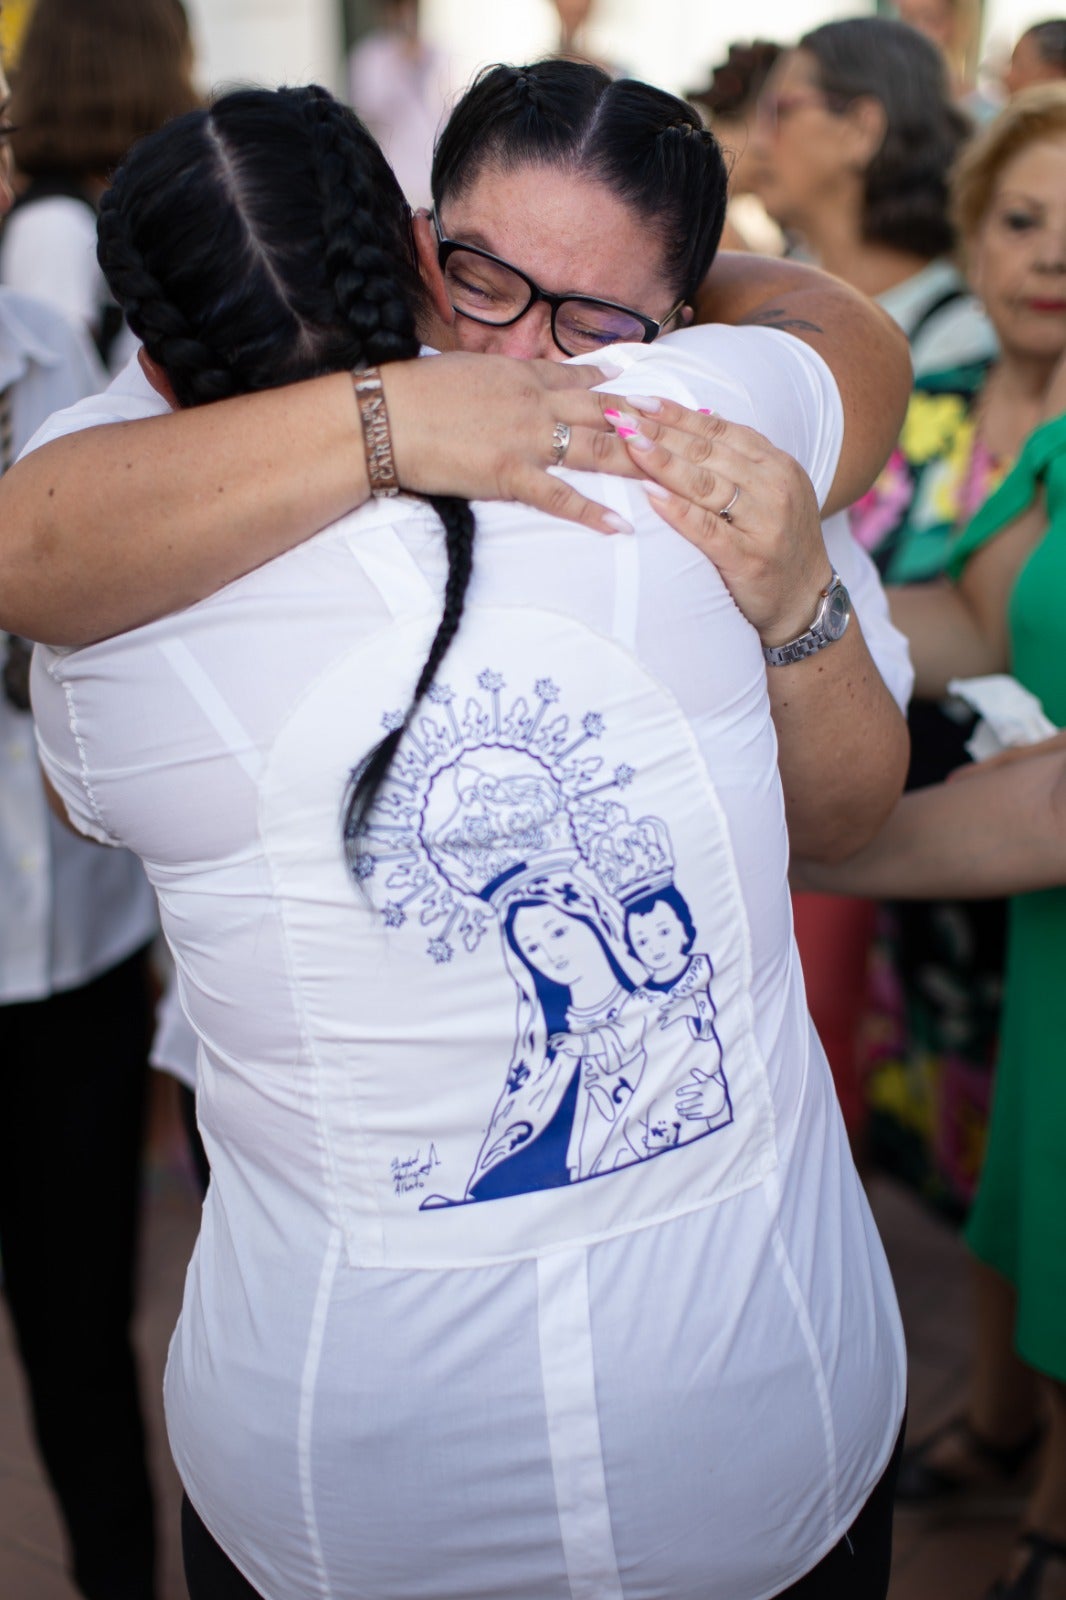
point(530, 338)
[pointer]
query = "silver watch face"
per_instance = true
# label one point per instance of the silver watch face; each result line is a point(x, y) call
point(837, 612)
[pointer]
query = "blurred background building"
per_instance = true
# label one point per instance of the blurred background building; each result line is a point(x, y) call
point(671, 43)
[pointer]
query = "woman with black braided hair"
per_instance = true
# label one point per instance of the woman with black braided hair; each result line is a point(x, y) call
point(611, 194)
point(522, 1271)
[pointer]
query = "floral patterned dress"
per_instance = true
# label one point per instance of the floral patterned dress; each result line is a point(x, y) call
point(930, 1038)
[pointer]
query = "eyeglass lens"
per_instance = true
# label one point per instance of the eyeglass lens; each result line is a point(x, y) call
point(490, 292)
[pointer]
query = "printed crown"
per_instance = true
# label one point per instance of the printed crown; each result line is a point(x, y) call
point(633, 859)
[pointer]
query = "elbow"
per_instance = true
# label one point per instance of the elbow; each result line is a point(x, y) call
point(844, 822)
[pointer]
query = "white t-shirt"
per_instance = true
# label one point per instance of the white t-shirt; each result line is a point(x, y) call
point(534, 1260)
point(68, 911)
point(48, 250)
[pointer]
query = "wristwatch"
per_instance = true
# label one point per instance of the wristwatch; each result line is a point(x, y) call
point(830, 620)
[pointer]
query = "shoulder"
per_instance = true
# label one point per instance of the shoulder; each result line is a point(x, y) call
point(129, 397)
point(60, 218)
point(748, 373)
point(941, 317)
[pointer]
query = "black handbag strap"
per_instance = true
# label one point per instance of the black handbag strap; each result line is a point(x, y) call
point(934, 308)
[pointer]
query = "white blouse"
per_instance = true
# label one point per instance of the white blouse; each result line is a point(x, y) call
point(534, 1260)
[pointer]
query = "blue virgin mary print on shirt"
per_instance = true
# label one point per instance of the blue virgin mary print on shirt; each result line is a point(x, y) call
point(503, 825)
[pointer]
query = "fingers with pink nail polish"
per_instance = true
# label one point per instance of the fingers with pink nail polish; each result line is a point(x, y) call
point(622, 423)
point(644, 402)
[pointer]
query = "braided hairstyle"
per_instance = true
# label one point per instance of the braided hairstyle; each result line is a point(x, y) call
point(648, 148)
point(265, 240)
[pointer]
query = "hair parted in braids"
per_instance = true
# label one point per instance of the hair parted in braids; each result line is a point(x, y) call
point(648, 148)
point(264, 240)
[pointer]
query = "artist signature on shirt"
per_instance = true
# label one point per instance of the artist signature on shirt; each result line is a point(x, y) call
point(411, 1174)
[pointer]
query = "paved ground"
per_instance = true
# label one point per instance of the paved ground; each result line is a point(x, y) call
point(936, 1558)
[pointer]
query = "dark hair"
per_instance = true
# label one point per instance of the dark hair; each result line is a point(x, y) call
point(905, 204)
point(649, 148)
point(737, 82)
point(266, 240)
point(670, 896)
point(94, 76)
point(1050, 41)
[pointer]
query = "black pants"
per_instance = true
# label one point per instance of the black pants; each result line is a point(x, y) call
point(855, 1569)
point(73, 1074)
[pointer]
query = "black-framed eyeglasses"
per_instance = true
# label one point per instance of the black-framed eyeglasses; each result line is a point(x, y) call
point(485, 289)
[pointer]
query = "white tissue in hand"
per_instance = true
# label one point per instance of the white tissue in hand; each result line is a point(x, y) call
point(1009, 714)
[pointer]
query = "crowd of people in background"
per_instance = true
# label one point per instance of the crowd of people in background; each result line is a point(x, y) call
point(932, 935)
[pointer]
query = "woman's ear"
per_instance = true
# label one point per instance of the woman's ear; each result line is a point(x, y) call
point(866, 122)
point(426, 246)
point(157, 378)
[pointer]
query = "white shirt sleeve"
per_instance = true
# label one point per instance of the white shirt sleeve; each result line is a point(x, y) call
point(773, 382)
point(886, 644)
point(49, 251)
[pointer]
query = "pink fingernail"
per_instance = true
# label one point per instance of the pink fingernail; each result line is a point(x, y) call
point(656, 491)
point(622, 422)
point(610, 369)
point(705, 411)
point(640, 441)
point(616, 524)
point(643, 402)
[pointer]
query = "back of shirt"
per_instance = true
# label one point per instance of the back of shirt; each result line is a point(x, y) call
point(545, 1001)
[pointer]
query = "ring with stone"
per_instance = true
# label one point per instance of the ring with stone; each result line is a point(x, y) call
point(726, 512)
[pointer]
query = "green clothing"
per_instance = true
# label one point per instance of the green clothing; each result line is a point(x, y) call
point(1018, 1224)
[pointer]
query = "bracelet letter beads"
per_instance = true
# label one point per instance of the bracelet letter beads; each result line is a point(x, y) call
point(377, 439)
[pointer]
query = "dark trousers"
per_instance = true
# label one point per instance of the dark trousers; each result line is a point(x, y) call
point(73, 1075)
point(858, 1568)
point(855, 1569)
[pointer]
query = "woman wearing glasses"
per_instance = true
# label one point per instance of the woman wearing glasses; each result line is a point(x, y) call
point(855, 135)
point(628, 220)
point(398, 843)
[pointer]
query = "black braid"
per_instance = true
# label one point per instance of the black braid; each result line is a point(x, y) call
point(458, 522)
point(267, 240)
point(155, 319)
point(364, 280)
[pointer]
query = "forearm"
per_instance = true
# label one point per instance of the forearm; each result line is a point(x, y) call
point(113, 526)
point(842, 748)
point(865, 350)
point(947, 640)
point(999, 832)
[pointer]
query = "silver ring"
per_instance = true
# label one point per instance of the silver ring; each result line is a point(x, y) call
point(560, 443)
point(726, 512)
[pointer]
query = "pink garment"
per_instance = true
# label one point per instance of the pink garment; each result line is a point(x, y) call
point(401, 90)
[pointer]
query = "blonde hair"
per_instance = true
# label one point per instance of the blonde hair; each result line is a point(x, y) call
point(1034, 114)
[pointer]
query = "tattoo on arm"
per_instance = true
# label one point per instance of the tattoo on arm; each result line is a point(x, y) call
point(777, 317)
